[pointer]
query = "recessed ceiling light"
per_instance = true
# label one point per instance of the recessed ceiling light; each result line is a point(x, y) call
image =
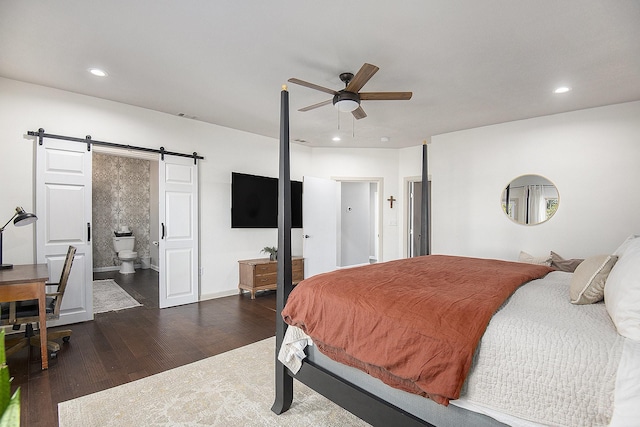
point(562, 89)
point(98, 72)
point(335, 138)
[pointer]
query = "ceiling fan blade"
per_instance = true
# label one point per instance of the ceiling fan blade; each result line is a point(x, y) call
point(364, 74)
point(319, 104)
point(359, 113)
point(385, 96)
point(312, 86)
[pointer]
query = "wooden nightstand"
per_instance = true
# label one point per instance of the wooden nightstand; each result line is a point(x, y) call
point(260, 274)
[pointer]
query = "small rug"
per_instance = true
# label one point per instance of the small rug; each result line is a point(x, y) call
point(235, 388)
point(109, 296)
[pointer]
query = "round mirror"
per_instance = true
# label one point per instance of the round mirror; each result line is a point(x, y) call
point(530, 199)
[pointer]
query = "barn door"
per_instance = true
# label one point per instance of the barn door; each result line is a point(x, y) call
point(178, 214)
point(63, 207)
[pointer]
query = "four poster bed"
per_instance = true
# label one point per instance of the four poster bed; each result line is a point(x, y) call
point(449, 341)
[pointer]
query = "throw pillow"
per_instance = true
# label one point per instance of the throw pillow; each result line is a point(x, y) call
point(587, 283)
point(561, 264)
point(530, 259)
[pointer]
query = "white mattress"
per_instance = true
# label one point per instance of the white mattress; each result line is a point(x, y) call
point(544, 361)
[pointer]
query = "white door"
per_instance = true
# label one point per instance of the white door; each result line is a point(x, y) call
point(355, 223)
point(178, 215)
point(63, 207)
point(320, 212)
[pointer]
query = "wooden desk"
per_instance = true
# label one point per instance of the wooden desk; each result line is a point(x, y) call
point(27, 282)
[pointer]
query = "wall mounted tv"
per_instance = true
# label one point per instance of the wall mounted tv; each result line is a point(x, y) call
point(254, 202)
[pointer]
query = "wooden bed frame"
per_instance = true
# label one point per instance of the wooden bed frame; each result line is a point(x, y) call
point(368, 407)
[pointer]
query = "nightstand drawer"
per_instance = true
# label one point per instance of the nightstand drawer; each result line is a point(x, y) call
point(265, 279)
point(271, 267)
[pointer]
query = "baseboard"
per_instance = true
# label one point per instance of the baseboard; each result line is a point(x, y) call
point(103, 269)
point(218, 295)
point(117, 267)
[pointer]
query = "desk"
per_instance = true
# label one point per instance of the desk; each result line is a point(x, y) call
point(26, 282)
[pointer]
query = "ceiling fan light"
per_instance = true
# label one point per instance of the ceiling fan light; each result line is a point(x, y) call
point(346, 105)
point(346, 102)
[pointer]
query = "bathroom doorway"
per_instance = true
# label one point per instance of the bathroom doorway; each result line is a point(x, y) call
point(125, 200)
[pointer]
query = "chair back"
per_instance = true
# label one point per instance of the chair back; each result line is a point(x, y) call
point(64, 277)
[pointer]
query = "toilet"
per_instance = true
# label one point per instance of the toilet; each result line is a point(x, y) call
point(124, 248)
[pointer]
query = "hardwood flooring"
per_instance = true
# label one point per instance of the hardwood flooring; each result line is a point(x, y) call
point(118, 347)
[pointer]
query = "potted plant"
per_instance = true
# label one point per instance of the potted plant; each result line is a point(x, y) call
point(272, 251)
point(9, 405)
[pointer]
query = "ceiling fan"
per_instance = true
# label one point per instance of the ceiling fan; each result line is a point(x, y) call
point(348, 99)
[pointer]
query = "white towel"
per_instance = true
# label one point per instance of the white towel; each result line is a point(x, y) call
point(292, 352)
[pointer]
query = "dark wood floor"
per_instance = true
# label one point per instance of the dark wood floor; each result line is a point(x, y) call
point(119, 347)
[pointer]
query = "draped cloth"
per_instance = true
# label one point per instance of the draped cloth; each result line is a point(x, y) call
point(536, 204)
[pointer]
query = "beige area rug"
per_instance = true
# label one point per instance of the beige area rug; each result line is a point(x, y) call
point(109, 296)
point(231, 389)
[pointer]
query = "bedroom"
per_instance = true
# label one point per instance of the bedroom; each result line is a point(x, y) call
point(589, 154)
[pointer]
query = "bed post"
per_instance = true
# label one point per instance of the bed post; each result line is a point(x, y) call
point(425, 209)
point(284, 382)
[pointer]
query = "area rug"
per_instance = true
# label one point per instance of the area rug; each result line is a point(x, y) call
point(109, 296)
point(231, 389)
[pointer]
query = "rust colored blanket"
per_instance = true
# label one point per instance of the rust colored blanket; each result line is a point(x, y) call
point(413, 323)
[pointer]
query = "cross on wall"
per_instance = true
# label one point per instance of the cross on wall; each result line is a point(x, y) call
point(391, 200)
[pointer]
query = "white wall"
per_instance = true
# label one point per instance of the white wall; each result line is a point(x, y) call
point(25, 107)
point(591, 156)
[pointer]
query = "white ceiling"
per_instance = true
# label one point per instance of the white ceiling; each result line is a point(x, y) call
point(468, 63)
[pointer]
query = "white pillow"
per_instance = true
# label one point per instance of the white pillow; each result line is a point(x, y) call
point(623, 247)
point(622, 292)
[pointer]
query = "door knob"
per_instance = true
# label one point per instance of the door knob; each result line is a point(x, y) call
point(306, 236)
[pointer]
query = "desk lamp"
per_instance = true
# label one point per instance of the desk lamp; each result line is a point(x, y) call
point(21, 218)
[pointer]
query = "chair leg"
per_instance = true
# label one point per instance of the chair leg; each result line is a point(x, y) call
point(52, 346)
point(65, 334)
point(13, 345)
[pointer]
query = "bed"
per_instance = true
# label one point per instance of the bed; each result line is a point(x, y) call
point(536, 360)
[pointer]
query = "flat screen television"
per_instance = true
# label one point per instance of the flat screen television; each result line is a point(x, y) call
point(254, 202)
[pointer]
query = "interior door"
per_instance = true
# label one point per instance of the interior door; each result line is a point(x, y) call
point(320, 212)
point(63, 207)
point(178, 215)
point(355, 223)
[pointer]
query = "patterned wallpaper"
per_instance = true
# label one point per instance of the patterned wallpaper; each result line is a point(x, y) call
point(120, 197)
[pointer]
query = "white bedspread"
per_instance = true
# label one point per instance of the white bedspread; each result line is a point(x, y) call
point(546, 360)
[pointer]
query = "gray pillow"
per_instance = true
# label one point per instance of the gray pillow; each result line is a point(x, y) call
point(561, 264)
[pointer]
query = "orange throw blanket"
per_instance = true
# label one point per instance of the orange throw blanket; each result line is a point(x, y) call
point(413, 323)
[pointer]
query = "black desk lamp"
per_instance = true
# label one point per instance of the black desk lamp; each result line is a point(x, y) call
point(21, 218)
